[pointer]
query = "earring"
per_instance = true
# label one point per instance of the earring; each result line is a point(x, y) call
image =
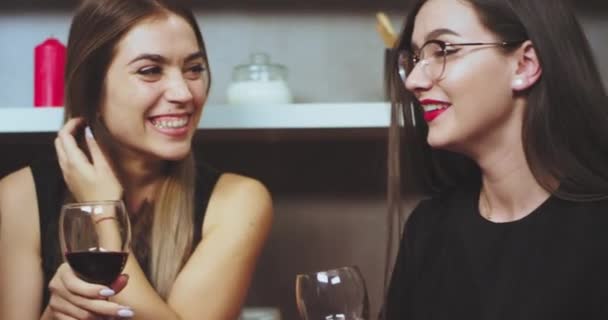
point(518, 82)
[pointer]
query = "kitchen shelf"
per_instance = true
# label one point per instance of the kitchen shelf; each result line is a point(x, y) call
point(319, 148)
point(222, 117)
point(338, 121)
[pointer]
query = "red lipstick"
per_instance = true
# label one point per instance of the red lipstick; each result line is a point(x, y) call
point(430, 115)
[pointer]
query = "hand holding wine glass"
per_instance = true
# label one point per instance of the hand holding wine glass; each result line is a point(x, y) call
point(337, 294)
point(95, 238)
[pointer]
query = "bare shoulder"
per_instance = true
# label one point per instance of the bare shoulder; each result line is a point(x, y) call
point(18, 185)
point(18, 204)
point(237, 199)
point(232, 187)
point(21, 275)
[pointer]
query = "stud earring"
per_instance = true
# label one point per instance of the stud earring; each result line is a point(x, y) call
point(518, 82)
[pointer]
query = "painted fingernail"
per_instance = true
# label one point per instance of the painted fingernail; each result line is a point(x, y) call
point(107, 292)
point(125, 313)
point(87, 132)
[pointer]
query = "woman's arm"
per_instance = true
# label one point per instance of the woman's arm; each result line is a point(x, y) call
point(214, 282)
point(20, 268)
point(21, 275)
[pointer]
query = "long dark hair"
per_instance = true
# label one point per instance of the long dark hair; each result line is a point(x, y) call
point(565, 136)
point(565, 129)
point(97, 28)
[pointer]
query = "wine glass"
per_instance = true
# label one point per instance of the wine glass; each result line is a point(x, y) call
point(337, 294)
point(95, 238)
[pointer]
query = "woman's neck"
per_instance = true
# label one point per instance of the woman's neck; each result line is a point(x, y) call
point(140, 178)
point(509, 190)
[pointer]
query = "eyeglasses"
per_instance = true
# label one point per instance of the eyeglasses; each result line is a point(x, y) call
point(433, 55)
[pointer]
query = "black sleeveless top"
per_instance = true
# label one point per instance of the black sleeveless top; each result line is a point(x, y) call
point(50, 192)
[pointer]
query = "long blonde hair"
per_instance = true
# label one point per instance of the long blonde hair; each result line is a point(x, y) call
point(172, 227)
point(97, 27)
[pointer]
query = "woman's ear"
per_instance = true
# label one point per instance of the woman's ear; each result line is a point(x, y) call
point(528, 69)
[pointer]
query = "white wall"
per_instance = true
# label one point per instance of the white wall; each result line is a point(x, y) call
point(331, 57)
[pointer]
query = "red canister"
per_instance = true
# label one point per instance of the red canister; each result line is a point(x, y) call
point(49, 65)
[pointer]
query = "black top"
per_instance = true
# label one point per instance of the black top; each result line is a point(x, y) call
point(50, 192)
point(454, 264)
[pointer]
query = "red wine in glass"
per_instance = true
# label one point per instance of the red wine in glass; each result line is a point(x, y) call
point(95, 237)
point(97, 266)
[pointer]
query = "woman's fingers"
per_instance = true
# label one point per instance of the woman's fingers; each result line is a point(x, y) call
point(74, 285)
point(61, 316)
point(81, 308)
point(99, 159)
point(62, 309)
point(89, 179)
point(120, 283)
point(103, 307)
point(71, 125)
point(74, 156)
point(72, 296)
point(61, 156)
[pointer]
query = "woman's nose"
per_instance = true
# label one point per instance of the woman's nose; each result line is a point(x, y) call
point(417, 79)
point(177, 89)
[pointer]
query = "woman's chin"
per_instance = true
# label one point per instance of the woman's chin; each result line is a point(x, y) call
point(436, 141)
point(175, 154)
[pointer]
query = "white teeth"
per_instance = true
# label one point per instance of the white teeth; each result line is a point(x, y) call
point(170, 124)
point(433, 107)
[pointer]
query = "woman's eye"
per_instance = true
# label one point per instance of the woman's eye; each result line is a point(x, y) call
point(195, 71)
point(449, 51)
point(197, 68)
point(439, 53)
point(149, 71)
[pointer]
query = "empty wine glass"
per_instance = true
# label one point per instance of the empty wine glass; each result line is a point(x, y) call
point(95, 238)
point(337, 294)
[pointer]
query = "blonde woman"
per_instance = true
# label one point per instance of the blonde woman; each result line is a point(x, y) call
point(136, 81)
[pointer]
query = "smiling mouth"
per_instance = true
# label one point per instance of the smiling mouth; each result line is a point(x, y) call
point(170, 122)
point(434, 110)
point(433, 107)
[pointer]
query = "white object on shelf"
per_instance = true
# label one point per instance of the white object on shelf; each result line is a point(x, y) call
point(259, 82)
point(241, 93)
point(290, 116)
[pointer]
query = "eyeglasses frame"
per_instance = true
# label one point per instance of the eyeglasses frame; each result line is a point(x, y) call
point(443, 45)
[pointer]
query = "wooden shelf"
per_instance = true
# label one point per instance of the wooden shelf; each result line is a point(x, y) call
point(273, 119)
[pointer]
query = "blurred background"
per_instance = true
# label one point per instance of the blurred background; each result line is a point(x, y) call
point(328, 184)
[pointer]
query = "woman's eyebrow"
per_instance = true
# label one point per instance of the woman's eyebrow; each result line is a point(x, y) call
point(194, 56)
point(435, 34)
point(149, 56)
point(439, 32)
point(161, 59)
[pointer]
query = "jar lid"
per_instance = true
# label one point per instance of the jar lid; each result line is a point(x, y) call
point(259, 68)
